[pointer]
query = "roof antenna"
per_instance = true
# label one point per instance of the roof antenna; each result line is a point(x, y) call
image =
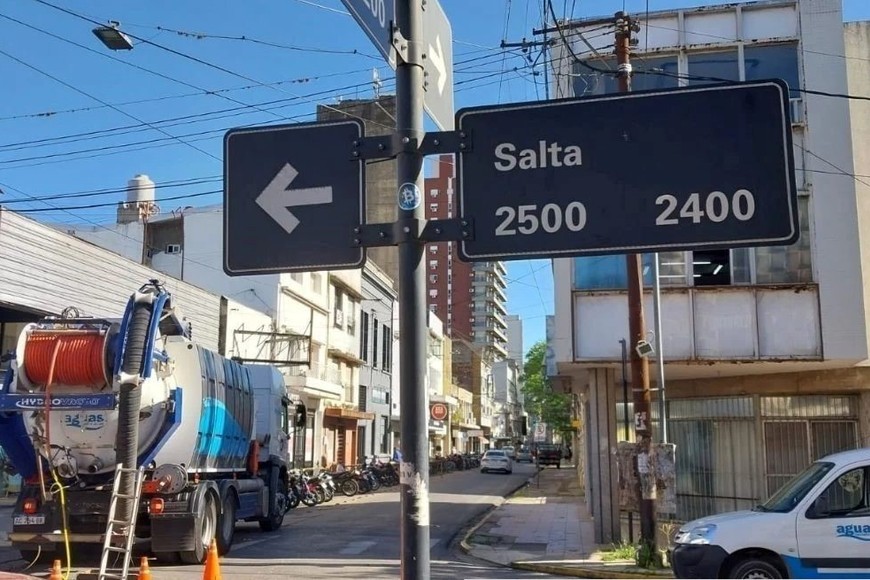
point(377, 84)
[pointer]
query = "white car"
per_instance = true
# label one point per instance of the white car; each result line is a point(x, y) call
point(496, 460)
point(815, 526)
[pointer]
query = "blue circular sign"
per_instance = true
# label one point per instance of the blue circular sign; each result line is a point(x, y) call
point(409, 196)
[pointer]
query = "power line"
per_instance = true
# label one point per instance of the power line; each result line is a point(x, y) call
point(115, 203)
point(80, 91)
point(244, 38)
point(193, 58)
point(187, 119)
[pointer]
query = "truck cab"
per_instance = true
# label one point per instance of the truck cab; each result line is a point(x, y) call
point(815, 526)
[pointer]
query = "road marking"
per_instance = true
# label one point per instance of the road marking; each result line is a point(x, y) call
point(356, 548)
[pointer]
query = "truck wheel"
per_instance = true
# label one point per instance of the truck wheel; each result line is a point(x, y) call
point(203, 531)
point(226, 525)
point(754, 568)
point(276, 520)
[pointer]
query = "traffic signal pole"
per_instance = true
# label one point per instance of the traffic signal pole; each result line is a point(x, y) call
point(414, 470)
point(639, 364)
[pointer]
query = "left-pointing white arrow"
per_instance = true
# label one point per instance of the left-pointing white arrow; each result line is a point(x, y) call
point(436, 55)
point(276, 200)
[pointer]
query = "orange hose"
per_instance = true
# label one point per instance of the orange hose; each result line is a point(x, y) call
point(80, 358)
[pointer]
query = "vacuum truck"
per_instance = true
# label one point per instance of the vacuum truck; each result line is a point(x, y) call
point(127, 425)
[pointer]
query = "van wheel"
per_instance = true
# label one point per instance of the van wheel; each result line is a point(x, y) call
point(754, 568)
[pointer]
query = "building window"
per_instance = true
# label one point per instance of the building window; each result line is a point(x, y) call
point(433, 264)
point(297, 277)
point(317, 282)
point(787, 264)
point(433, 293)
point(433, 248)
point(719, 65)
point(433, 278)
point(433, 193)
point(350, 316)
point(433, 207)
point(374, 341)
point(774, 61)
point(364, 336)
point(387, 354)
point(433, 308)
point(338, 309)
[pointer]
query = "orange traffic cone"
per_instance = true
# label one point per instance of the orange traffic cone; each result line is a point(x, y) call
point(212, 564)
point(144, 569)
point(56, 572)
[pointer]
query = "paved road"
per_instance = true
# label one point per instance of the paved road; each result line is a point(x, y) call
point(359, 537)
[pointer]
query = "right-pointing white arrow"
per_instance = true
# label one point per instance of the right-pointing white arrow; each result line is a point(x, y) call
point(436, 55)
point(276, 200)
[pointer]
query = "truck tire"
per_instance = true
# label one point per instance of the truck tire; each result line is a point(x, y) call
point(226, 528)
point(204, 529)
point(275, 520)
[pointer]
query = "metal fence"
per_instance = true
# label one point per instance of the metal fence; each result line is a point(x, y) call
point(733, 452)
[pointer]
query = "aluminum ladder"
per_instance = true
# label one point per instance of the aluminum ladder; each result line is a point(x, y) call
point(121, 528)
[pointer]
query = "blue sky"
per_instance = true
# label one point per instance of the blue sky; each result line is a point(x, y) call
point(92, 127)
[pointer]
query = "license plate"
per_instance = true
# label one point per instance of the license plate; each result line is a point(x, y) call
point(28, 520)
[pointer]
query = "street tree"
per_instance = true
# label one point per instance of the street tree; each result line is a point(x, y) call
point(551, 408)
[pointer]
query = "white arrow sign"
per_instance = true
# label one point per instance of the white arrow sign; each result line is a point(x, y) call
point(276, 200)
point(436, 55)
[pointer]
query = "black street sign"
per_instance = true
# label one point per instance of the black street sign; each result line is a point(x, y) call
point(377, 19)
point(700, 167)
point(292, 199)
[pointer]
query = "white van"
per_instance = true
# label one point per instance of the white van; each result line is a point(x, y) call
point(816, 526)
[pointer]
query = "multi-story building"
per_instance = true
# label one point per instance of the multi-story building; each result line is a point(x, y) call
point(506, 376)
point(379, 118)
point(766, 349)
point(515, 338)
point(377, 376)
point(472, 371)
point(470, 298)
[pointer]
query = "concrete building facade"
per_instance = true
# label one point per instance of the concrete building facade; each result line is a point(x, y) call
point(766, 349)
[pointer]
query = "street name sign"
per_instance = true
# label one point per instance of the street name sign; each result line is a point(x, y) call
point(683, 169)
point(377, 19)
point(291, 199)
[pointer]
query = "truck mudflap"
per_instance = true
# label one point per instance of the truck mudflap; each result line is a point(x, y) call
point(175, 529)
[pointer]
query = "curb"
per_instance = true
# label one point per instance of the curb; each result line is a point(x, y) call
point(582, 571)
point(464, 545)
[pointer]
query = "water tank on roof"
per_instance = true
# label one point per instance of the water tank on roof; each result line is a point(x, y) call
point(140, 189)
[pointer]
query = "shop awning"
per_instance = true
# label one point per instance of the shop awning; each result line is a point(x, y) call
point(342, 413)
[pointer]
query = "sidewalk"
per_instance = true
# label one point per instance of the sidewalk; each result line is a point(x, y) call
point(545, 527)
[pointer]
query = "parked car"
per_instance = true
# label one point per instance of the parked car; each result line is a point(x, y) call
point(510, 451)
point(549, 454)
point(496, 460)
point(524, 454)
point(817, 525)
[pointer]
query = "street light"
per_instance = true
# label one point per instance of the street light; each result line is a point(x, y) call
point(113, 38)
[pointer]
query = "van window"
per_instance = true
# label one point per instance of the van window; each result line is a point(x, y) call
point(845, 496)
point(791, 494)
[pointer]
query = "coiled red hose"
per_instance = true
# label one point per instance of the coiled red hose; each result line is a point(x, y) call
point(80, 358)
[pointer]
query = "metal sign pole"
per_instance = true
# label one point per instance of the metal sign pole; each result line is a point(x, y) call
point(412, 295)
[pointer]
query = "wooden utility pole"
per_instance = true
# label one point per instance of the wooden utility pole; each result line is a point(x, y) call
point(637, 332)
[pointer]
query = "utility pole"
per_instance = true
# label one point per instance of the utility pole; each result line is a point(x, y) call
point(639, 364)
point(414, 471)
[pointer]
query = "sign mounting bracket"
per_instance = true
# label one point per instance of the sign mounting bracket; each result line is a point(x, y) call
point(391, 234)
point(433, 143)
